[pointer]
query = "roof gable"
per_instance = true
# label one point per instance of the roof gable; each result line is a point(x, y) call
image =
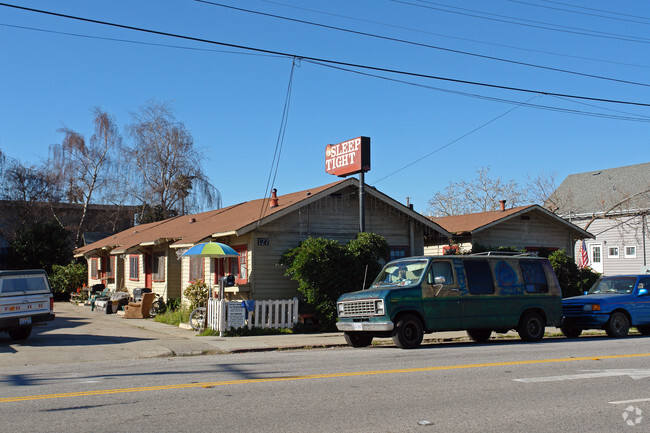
point(476, 222)
point(601, 190)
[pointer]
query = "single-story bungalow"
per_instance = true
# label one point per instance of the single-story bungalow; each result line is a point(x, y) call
point(531, 227)
point(150, 255)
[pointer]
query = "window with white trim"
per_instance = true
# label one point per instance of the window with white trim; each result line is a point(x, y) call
point(612, 252)
point(197, 270)
point(630, 252)
point(94, 274)
point(134, 267)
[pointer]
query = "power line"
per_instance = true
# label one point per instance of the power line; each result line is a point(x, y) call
point(579, 13)
point(457, 139)
point(640, 118)
point(335, 62)
point(597, 10)
point(441, 35)
point(418, 44)
point(536, 24)
point(280, 140)
point(130, 41)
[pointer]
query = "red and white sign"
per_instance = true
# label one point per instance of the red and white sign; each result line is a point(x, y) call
point(349, 157)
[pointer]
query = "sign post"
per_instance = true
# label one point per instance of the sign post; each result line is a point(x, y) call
point(350, 157)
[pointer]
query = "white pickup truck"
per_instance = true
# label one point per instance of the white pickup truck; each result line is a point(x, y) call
point(25, 300)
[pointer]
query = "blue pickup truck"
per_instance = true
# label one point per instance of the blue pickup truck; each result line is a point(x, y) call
point(613, 304)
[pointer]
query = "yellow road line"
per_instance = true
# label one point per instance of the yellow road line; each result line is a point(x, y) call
point(313, 376)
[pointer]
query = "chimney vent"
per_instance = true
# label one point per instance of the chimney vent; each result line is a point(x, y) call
point(503, 205)
point(192, 220)
point(274, 198)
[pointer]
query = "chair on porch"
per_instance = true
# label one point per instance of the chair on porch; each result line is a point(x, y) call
point(140, 310)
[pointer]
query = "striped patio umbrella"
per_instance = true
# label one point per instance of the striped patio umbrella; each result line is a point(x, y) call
point(211, 249)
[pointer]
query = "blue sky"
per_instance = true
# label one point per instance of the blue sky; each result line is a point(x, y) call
point(232, 99)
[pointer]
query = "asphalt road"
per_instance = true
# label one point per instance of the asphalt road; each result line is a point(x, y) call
point(593, 384)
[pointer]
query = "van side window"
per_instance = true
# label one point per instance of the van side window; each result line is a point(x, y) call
point(479, 277)
point(534, 277)
point(441, 269)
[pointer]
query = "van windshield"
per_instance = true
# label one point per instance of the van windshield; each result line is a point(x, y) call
point(613, 285)
point(402, 273)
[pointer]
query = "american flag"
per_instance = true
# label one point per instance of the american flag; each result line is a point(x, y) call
point(583, 259)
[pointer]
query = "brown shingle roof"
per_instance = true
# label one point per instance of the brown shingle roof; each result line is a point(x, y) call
point(473, 221)
point(190, 229)
point(237, 219)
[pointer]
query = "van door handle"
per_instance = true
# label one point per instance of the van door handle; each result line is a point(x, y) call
point(453, 290)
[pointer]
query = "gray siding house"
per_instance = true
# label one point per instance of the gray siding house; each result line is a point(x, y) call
point(613, 204)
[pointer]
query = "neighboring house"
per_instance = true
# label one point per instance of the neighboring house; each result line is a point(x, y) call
point(613, 204)
point(531, 227)
point(149, 255)
point(99, 218)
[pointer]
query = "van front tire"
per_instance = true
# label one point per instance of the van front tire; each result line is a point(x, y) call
point(408, 332)
point(531, 327)
point(355, 339)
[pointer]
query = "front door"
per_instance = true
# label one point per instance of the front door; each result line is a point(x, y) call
point(596, 257)
point(147, 270)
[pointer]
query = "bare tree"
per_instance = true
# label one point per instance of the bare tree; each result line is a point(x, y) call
point(541, 189)
point(167, 165)
point(83, 169)
point(480, 194)
point(25, 183)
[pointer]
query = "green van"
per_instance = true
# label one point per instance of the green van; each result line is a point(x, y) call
point(478, 293)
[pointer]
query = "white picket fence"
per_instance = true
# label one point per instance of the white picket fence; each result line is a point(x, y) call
point(281, 313)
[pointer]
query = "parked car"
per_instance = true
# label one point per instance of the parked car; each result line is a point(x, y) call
point(476, 293)
point(25, 300)
point(613, 304)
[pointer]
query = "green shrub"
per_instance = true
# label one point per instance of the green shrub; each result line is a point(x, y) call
point(173, 304)
point(68, 278)
point(325, 269)
point(573, 281)
point(197, 294)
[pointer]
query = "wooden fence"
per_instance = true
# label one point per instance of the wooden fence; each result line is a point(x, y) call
point(281, 313)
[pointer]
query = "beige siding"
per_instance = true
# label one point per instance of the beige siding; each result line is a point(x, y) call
point(533, 232)
point(332, 217)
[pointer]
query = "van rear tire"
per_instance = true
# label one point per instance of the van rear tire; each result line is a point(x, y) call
point(408, 332)
point(531, 327)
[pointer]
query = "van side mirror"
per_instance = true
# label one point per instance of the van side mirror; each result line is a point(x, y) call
point(439, 280)
point(643, 292)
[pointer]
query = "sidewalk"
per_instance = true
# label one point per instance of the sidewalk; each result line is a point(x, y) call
point(81, 335)
point(183, 341)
